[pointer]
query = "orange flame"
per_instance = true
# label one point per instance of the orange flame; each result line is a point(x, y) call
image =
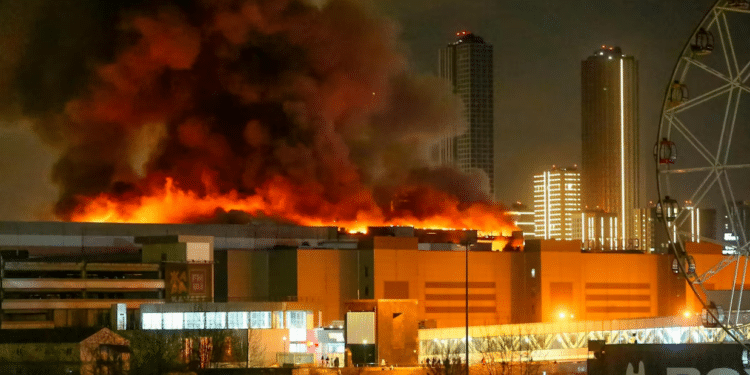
point(279, 199)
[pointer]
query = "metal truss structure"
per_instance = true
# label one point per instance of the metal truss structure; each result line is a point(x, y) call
point(704, 116)
point(571, 345)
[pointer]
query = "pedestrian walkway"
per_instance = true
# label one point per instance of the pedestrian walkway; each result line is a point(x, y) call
point(563, 341)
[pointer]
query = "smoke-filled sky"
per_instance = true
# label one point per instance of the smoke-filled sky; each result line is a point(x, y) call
point(108, 96)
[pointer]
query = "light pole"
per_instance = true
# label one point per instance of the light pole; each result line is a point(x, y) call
point(466, 343)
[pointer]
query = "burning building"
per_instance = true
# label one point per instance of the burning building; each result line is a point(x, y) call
point(195, 111)
point(317, 270)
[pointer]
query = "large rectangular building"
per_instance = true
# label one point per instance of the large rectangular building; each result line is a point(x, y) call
point(320, 271)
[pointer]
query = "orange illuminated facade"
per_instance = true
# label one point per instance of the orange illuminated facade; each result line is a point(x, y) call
point(550, 281)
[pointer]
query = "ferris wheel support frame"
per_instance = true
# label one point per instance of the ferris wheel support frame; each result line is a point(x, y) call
point(717, 168)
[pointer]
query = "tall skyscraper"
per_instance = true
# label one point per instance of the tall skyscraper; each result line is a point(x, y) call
point(557, 198)
point(467, 64)
point(609, 114)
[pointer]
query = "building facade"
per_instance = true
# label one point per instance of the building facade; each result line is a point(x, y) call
point(740, 220)
point(597, 230)
point(523, 217)
point(304, 277)
point(557, 199)
point(695, 225)
point(700, 224)
point(645, 227)
point(45, 294)
point(467, 64)
point(609, 115)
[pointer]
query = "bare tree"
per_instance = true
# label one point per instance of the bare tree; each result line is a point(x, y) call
point(162, 351)
point(444, 357)
point(497, 353)
point(153, 352)
point(508, 353)
point(255, 349)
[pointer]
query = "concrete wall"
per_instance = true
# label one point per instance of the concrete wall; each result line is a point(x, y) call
point(176, 252)
point(396, 329)
point(438, 280)
point(604, 286)
point(598, 286)
point(706, 256)
point(525, 282)
point(330, 277)
point(671, 293)
point(247, 275)
point(489, 274)
point(320, 275)
point(282, 276)
point(268, 342)
point(550, 281)
point(257, 275)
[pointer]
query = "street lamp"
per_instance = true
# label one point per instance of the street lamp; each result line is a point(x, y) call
point(466, 343)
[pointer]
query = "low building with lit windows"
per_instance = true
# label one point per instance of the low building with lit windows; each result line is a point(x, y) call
point(597, 230)
point(695, 225)
point(277, 327)
point(523, 218)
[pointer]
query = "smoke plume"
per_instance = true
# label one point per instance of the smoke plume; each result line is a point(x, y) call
point(307, 107)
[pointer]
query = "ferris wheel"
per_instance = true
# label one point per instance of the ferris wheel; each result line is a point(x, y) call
point(702, 157)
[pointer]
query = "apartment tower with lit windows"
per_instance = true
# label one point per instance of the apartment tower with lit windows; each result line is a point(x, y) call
point(467, 64)
point(609, 133)
point(557, 198)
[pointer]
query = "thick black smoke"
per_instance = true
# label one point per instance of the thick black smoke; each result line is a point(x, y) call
point(223, 96)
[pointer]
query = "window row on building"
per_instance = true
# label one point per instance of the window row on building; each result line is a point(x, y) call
point(295, 321)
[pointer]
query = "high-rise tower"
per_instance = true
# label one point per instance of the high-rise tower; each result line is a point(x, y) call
point(467, 64)
point(609, 115)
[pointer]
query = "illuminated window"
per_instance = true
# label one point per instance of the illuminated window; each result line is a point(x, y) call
point(296, 321)
point(151, 321)
point(216, 320)
point(195, 320)
point(336, 336)
point(237, 319)
point(173, 321)
point(260, 319)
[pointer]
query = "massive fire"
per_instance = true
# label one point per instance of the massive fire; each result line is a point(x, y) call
point(280, 200)
point(233, 111)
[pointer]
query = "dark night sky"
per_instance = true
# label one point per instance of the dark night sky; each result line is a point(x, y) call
point(538, 48)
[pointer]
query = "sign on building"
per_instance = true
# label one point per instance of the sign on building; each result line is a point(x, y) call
point(669, 359)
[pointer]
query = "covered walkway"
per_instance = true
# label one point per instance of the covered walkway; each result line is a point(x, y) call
point(564, 340)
